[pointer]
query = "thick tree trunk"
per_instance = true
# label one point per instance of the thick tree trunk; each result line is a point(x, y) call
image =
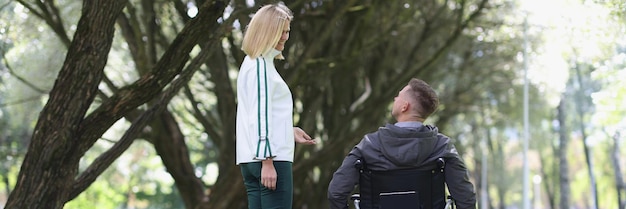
point(63, 132)
point(563, 168)
point(50, 166)
point(229, 182)
point(169, 143)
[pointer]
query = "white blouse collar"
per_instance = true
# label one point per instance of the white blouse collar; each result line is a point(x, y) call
point(271, 54)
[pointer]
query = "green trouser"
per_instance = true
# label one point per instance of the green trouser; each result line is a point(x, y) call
point(259, 196)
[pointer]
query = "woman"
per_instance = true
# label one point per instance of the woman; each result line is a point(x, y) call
point(265, 132)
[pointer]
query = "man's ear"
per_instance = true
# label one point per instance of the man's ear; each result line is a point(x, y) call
point(406, 106)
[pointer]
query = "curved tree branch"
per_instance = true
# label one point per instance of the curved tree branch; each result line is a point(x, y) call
point(148, 86)
point(105, 160)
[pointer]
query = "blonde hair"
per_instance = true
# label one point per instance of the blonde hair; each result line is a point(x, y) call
point(265, 29)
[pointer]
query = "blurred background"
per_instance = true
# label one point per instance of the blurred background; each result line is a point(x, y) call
point(532, 93)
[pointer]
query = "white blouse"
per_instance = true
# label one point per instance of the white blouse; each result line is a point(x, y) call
point(264, 112)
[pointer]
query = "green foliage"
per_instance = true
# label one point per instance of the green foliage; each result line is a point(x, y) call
point(617, 8)
point(101, 194)
point(19, 103)
point(337, 51)
point(612, 97)
point(137, 180)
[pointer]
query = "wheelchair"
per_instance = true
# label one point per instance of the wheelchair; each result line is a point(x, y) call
point(356, 198)
point(402, 188)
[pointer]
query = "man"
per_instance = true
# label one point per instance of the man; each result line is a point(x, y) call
point(407, 144)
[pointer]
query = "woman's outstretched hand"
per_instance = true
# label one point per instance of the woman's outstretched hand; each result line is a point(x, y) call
point(302, 137)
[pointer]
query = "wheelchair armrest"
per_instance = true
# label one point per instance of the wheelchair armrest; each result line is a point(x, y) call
point(355, 197)
point(450, 203)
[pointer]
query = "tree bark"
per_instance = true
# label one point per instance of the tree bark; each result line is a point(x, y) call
point(563, 167)
point(170, 145)
point(63, 133)
point(51, 164)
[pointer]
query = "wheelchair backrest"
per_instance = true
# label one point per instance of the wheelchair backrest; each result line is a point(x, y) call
point(402, 188)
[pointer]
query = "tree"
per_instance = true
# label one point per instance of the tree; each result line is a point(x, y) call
point(583, 101)
point(65, 131)
point(564, 181)
point(345, 62)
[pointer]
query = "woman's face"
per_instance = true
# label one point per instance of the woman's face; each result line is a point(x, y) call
point(284, 36)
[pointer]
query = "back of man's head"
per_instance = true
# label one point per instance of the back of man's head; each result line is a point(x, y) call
point(425, 96)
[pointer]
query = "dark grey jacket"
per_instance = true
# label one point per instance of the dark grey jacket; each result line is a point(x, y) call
point(393, 147)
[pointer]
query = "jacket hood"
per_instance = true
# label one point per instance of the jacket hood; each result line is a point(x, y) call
point(410, 146)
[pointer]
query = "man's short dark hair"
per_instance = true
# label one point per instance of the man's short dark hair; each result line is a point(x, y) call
point(425, 96)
